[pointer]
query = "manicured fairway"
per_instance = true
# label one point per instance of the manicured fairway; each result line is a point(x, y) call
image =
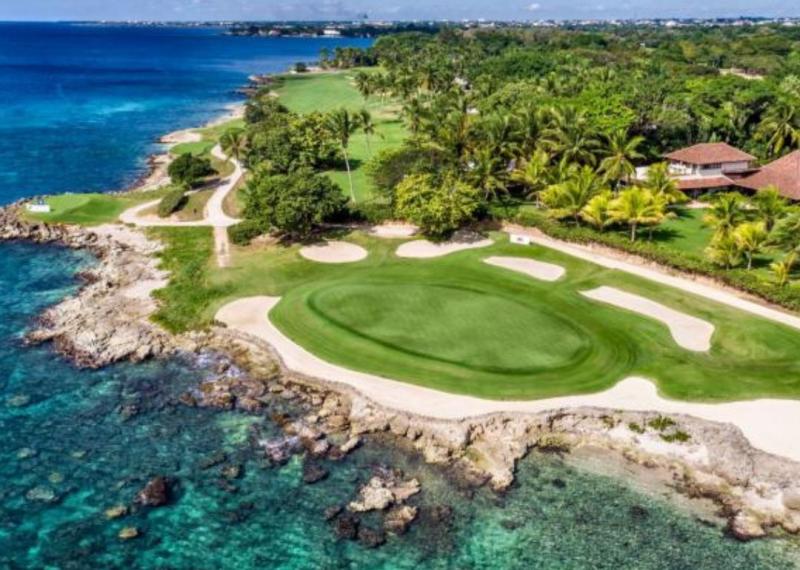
point(92, 209)
point(324, 92)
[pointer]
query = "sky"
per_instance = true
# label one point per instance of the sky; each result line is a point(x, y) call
point(173, 10)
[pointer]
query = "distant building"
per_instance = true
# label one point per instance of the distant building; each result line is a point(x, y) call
point(719, 166)
point(783, 173)
point(331, 33)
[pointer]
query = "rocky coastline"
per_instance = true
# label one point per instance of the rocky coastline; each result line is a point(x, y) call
point(108, 320)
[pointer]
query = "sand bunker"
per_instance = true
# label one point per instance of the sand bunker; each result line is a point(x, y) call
point(334, 252)
point(689, 332)
point(531, 267)
point(424, 249)
point(393, 231)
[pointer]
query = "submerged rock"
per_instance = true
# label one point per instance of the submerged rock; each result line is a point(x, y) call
point(42, 494)
point(232, 472)
point(346, 527)
point(155, 494)
point(313, 472)
point(371, 538)
point(374, 496)
point(332, 512)
point(18, 401)
point(116, 512)
point(399, 519)
point(128, 533)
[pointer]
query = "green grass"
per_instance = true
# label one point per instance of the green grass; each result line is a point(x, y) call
point(91, 209)
point(329, 91)
point(459, 325)
point(199, 148)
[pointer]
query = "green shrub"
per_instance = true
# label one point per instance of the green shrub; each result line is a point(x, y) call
point(679, 436)
point(661, 423)
point(244, 232)
point(370, 212)
point(189, 169)
point(635, 428)
point(171, 202)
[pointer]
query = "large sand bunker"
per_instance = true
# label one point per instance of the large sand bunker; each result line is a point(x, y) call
point(334, 252)
point(530, 267)
point(393, 231)
point(689, 332)
point(424, 249)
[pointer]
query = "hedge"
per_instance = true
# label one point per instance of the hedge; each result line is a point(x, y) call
point(747, 281)
point(244, 232)
point(171, 202)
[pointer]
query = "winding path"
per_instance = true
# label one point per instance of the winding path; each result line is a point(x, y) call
point(769, 424)
point(213, 214)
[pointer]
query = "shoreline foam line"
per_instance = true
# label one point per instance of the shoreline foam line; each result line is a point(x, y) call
point(768, 424)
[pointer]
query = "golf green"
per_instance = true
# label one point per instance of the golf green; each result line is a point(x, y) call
point(459, 325)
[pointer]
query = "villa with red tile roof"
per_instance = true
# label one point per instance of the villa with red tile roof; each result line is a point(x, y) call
point(717, 166)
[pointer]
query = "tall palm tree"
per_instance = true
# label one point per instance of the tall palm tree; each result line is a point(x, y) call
point(487, 173)
point(725, 213)
point(567, 198)
point(637, 207)
point(621, 151)
point(343, 125)
point(597, 212)
point(533, 174)
point(661, 183)
point(780, 126)
point(415, 113)
point(750, 237)
point(234, 143)
point(367, 127)
point(770, 206)
point(786, 233)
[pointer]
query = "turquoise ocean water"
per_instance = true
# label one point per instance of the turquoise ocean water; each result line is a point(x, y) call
point(69, 453)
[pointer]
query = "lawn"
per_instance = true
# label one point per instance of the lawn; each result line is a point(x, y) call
point(91, 209)
point(329, 91)
point(459, 325)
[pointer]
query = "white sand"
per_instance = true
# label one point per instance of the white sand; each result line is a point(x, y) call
point(531, 267)
point(424, 249)
point(334, 252)
point(393, 231)
point(180, 137)
point(769, 424)
point(707, 291)
point(689, 332)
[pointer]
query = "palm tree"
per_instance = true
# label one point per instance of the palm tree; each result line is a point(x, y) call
point(782, 270)
point(724, 251)
point(415, 113)
point(533, 174)
point(569, 136)
point(750, 237)
point(367, 127)
point(234, 143)
point(661, 183)
point(636, 207)
point(364, 84)
point(567, 198)
point(620, 152)
point(780, 126)
point(786, 233)
point(725, 213)
point(596, 212)
point(343, 125)
point(487, 172)
point(770, 206)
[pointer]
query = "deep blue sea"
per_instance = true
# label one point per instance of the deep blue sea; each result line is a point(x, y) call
point(79, 108)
